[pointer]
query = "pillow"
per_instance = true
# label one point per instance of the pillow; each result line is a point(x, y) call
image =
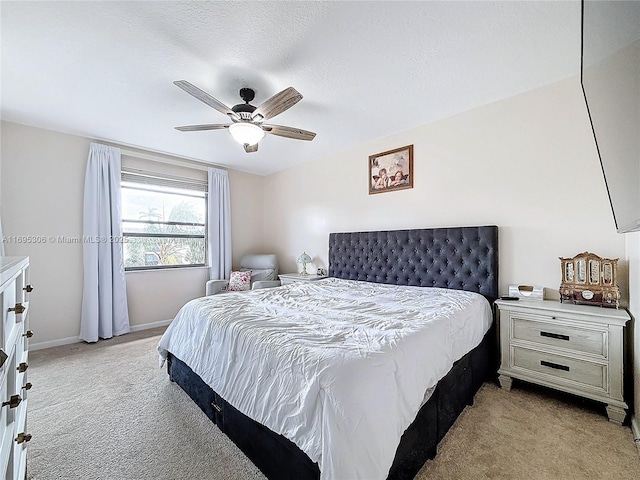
point(239, 281)
point(261, 273)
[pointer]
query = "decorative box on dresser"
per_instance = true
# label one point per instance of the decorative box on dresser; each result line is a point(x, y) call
point(574, 348)
point(14, 352)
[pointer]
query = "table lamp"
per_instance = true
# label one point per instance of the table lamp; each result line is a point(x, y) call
point(304, 259)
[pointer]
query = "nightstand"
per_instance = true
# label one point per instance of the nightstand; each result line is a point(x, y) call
point(573, 348)
point(296, 277)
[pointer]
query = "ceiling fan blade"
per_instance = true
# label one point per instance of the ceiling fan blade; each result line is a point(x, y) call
point(206, 98)
point(277, 104)
point(197, 128)
point(289, 132)
point(251, 148)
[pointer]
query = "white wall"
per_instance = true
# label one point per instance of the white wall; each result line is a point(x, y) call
point(527, 164)
point(42, 194)
point(42, 188)
point(1, 232)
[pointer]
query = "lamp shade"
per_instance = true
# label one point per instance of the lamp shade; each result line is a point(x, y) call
point(304, 258)
point(246, 133)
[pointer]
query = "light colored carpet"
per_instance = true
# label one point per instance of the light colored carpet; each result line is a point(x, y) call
point(107, 411)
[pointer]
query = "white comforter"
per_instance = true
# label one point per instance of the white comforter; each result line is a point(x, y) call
point(339, 367)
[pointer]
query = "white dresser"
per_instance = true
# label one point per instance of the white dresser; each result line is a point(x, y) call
point(574, 348)
point(286, 278)
point(14, 351)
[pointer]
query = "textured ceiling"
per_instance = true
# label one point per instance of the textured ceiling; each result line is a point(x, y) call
point(366, 69)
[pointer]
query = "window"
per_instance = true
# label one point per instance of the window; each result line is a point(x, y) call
point(163, 221)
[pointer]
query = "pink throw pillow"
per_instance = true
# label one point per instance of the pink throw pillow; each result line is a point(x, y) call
point(239, 282)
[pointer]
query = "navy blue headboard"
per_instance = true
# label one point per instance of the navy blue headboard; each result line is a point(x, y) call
point(461, 258)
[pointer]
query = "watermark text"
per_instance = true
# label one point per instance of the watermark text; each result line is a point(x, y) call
point(62, 239)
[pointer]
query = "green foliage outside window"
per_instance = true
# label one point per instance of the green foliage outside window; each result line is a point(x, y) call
point(153, 241)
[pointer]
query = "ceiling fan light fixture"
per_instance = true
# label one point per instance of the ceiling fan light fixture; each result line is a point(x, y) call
point(247, 128)
point(246, 133)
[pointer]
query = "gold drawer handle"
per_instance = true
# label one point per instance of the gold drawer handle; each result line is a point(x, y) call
point(13, 402)
point(22, 367)
point(28, 334)
point(27, 386)
point(23, 437)
point(28, 289)
point(19, 308)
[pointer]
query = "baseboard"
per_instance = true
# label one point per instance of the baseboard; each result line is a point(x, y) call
point(69, 340)
point(147, 326)
point(53, 343)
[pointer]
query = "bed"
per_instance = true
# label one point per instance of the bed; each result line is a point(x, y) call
point(407, 386)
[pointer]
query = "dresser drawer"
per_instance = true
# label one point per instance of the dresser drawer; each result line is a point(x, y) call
point(10, 321)
point(21, 438)
point(573, 370)
point(7, 414)
point(570, 337)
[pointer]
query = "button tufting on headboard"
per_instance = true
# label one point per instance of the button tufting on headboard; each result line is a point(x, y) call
point(463, 258)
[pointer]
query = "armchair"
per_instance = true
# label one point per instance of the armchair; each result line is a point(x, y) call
point(264, 273)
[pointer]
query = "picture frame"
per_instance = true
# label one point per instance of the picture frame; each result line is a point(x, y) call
point(391, 170)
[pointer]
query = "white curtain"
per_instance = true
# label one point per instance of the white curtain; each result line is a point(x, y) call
point(104, 295)
point(219, 247)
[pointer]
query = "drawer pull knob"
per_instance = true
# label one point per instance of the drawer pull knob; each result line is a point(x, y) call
point(216, 407)
point(19, 308)
point(3, 358)
point(28, 334)
point(557, 366)
point(23, 437)
point(554, 335)
point(28, 386)
point(13, 402)
point(28, 289)
point(22, 367)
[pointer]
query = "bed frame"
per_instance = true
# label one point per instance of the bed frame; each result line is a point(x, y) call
point(461, 258)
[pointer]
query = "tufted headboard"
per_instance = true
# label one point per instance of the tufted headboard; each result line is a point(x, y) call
point(460, 258)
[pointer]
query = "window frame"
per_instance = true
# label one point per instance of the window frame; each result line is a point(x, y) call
point(153, 182)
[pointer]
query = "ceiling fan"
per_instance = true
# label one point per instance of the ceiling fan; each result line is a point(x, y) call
point(247, 128)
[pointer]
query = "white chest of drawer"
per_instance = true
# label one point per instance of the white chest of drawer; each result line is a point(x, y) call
point(574, 348)
point(287, 278)
point(14, 352)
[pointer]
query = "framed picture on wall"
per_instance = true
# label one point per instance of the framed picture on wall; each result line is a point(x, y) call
point(391, 170)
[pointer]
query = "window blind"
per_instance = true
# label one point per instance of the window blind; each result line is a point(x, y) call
point(162, 180)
